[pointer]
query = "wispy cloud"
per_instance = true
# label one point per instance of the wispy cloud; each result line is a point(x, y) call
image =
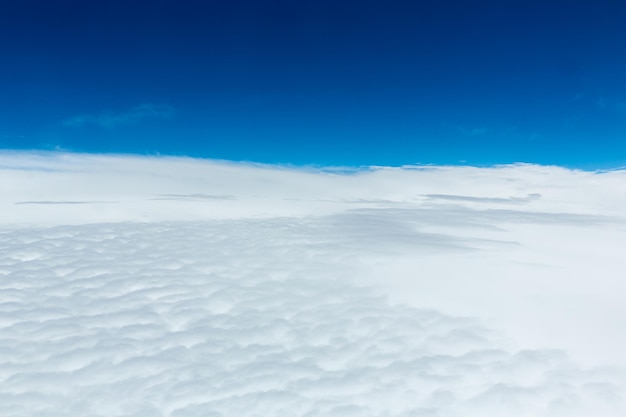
point(476, 131)
point(109, 119)
point(7, 137)
point(610, 105)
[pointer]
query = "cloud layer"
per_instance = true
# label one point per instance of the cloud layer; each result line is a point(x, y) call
point(248, 318)
point(176, 287)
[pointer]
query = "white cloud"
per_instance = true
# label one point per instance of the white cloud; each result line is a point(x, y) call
point(179, 287)
point(235, 318)
point(109, 119)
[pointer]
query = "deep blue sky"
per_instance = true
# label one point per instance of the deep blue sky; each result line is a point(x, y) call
point(318, 82)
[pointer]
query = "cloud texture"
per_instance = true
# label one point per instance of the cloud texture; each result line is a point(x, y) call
point(175, 287)
point(235, 318)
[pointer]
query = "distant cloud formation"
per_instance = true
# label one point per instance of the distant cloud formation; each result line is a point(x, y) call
point(108, 119)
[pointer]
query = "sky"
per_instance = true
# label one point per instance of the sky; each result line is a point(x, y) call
point(342, 83)
point(182, 287)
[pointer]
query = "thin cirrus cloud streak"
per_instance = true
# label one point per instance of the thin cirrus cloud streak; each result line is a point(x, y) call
point(108, 119)
point(201, 287)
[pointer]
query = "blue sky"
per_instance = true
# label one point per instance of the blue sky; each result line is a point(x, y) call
point(319, 82)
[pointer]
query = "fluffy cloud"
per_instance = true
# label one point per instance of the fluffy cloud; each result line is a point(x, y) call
point(247, 318)
point(177, 287)
point(109, 119)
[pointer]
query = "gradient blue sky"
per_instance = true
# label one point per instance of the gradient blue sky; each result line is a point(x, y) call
point(319, 82)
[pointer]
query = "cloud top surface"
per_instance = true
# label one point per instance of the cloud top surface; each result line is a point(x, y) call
point(175, 287)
